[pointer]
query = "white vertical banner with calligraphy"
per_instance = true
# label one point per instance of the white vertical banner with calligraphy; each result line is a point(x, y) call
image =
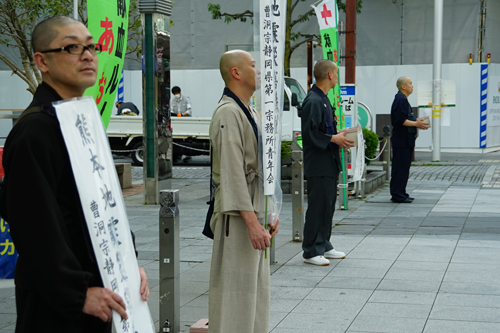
point(104, 208)
point(272, 50)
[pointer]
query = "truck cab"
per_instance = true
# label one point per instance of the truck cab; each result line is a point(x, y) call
point(290, 122)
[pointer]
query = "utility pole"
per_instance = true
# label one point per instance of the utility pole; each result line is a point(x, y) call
point(155, 16)
point(436, 90)
point(350, 42)
point(482, 30)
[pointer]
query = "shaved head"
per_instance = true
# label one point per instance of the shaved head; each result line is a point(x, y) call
point(322, 68)
point(47, 30)
point(230, 59)
point(240, 75)
point(402, 80)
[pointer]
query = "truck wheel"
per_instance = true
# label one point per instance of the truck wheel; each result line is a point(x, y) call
point(138, 154)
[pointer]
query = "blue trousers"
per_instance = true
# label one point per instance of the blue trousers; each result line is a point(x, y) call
point(321, 198)
point(401, 163)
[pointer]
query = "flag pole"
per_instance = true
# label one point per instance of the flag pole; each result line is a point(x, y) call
point(75, 9)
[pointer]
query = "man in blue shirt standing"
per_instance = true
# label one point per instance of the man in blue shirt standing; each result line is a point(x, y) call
point(404, 131)
point(321, 165)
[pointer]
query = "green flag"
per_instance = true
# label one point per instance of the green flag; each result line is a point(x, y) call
point(108, 23)
point(327, 14)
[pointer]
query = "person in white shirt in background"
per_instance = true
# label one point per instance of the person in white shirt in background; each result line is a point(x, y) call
point(181, 105)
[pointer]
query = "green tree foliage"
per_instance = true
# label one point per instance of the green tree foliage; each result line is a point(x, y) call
point(286, 149)
point(18, 18)
point(371, 143)
point(134, 38)
point(293, 39)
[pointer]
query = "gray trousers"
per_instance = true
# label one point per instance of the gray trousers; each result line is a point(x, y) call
point(321, 198)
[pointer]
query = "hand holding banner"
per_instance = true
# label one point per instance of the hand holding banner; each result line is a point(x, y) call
point(104, 209)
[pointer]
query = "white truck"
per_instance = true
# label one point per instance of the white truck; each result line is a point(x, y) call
point(125, 137)
point(190, 134)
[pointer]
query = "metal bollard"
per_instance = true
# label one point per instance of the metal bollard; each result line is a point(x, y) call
point(272, 253)
point(343, 188)
point(297, 195)
point(169, 261)
point(362, 186)
point(166, 327)
point(387, 153)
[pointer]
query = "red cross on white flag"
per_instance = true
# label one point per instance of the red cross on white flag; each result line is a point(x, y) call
point(327, 14)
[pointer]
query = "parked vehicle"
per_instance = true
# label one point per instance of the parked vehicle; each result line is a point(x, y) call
point(125, 137)
point(190, 134)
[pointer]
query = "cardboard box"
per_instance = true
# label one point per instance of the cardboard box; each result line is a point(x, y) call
point(352, 134)
point(426, 120)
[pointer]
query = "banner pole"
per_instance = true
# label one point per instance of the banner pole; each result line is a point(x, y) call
point(265, 220)
point(75, 9)
point(330, 41)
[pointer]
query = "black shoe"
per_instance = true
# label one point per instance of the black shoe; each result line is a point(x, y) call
point(404, 201)
point(410, 198)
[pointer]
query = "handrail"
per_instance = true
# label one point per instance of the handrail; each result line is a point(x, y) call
point(10, 115)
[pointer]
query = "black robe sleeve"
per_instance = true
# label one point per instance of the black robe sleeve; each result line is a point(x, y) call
point(312, 117)
point(45, 216)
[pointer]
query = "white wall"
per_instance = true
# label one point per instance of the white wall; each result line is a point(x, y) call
point(132, 89)
point(376, 88)
point(13, 95)
point(204, 88)
point(493, 106)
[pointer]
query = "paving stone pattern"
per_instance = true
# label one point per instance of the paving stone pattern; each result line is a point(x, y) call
point(455, 173)
point(196, 172)
point(460, 174)
point(429, 266)
point(495, 178)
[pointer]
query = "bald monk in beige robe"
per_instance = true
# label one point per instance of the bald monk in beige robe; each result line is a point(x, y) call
point(239, 275)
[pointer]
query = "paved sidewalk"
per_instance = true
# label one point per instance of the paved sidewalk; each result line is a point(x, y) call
point(428, 266)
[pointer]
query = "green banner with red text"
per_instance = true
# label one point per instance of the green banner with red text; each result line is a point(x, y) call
point(327, 14)
point(108, 24)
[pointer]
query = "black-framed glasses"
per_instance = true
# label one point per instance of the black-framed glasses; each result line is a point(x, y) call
point(78, 49)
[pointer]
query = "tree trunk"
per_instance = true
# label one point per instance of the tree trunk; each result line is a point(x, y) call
point(288, 32)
